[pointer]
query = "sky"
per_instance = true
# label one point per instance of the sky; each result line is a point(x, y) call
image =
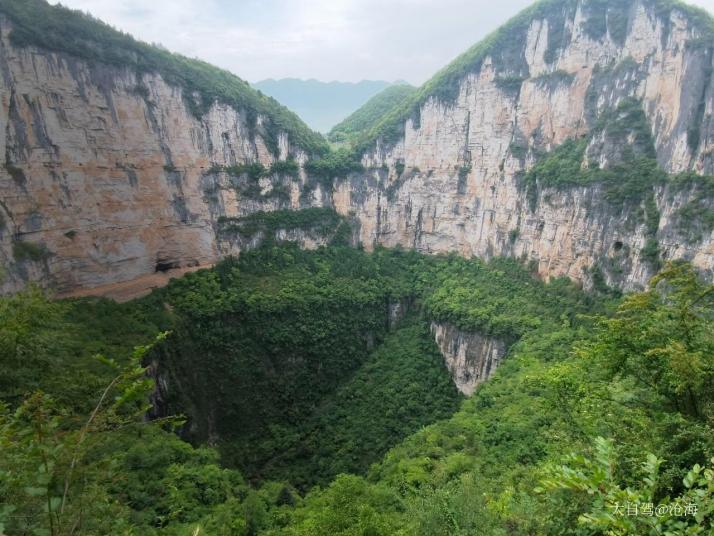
point(345, 40)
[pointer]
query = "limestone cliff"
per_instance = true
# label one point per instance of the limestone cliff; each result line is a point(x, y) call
point(453, 179)
point(110, 173)
point(470, 357)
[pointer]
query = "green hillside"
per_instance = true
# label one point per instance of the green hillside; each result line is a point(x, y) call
point(292, 392)
point(321, 104)
point(363, 119)
point(56, 28)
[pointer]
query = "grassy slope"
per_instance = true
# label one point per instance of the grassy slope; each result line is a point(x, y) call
point(56, 28)
point(370, 113)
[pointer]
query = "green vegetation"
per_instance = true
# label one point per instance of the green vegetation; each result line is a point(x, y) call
point(337, 164)
point(632, 171)
point(370, 113)
point(650, 252)
point(509, 84)
point(288, 399)
point(554, 79)
point(404, 378)
point(255, 170)
point(29, 251)
point(696, 218)
point(323, 171)
point(399, 168)
point(503, 46)
point(37, 23)
point(518, 149)
point(502, 464)
point(501, 298)
point(246, 177)
point(322, 222)
point(285, 167)
point(282, 329)
point(287, 360)
point(629, 179)
point(394, 186)
point(606, 16)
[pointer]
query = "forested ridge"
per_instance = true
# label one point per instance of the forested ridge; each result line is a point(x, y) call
point(601, 401)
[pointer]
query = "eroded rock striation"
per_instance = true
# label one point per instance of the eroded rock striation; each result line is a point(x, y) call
point(109, 174)
point(470, 357)
point(455, 176)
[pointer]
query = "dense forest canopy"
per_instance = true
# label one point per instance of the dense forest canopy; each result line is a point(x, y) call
point(600, 401)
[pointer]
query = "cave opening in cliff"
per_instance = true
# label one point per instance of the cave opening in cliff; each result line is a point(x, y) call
point(164, 266)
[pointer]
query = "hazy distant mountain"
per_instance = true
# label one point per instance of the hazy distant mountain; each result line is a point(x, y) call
point(321, 104)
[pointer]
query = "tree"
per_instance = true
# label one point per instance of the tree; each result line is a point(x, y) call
point(664, 339)
point(48, 483)
point(618, 510)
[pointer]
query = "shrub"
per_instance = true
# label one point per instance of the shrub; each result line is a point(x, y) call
point(29, 251)
point(399, 168)
point(650, 252)
point(285, 167)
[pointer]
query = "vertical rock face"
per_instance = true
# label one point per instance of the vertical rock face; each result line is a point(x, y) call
point(108, 175)
point(462, 159)
point(471, 358)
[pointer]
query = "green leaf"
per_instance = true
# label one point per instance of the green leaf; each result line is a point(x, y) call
point(54, 504)
point(33, 491)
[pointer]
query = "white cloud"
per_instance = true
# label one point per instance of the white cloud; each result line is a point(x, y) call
point(323, 39)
